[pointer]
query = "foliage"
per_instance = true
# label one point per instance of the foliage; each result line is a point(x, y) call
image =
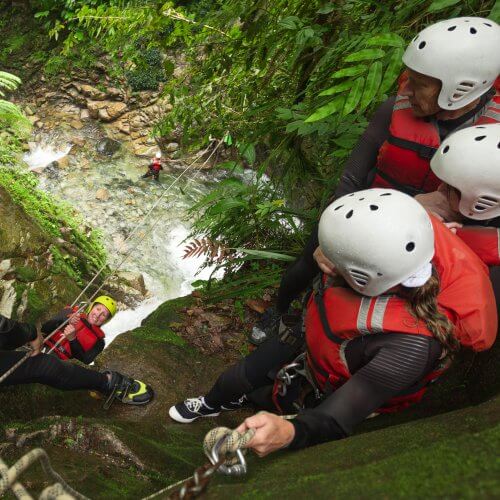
point(148, 71)
point(51, 216)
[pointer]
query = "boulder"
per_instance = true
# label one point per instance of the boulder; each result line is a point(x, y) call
point(171, 147)
point(108, 146)
point(84, 114)
point(144, 151)
point(102, 194)
point(92, 92)
point(115, 110)
point(63, 162)
point(76, 124)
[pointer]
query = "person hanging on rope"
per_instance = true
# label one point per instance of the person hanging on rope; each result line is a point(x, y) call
point(82, 337)
point(154, 168)
point(406, 295)
point(451, 81)
point(49, 370)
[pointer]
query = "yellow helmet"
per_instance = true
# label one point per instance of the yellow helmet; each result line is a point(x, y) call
point(107, 302)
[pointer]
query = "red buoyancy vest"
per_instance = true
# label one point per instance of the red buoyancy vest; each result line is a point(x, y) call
point(484, 241)
point(335, 315)
point(156, 165)
point(403, 161)
point(86, 334)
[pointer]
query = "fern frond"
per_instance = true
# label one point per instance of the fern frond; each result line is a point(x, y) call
point(213, 250)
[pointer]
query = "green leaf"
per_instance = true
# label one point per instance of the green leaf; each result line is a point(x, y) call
point(227, 139)
point(365, 55)
point(264, 254)
point(227, 204)
point(326, 9)
point(44, 13)
point(354, 95)
point(284, 114)
point(386, 40)
point(290, 22)
point(438, 5)
point(372, 84)
point(247, 150)
point(326, 110)
point(351, 71)
point(337, 88)
point(495, 12)
point(392, 71)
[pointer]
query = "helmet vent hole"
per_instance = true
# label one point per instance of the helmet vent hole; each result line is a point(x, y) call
point(498, 145)
point(421, 45)
point(479, 138)
point(480, 126)
point(446, 149)
point(361, 199)
point(488, 24)
point(473, 31)
point(360, 277)
point(348, 215)
point(484, 203)
point(452, 28)
point(340, 206)
point(410, 246)
point(379, 274)
point(484, 82)
point(386, 194)
point(373, 207)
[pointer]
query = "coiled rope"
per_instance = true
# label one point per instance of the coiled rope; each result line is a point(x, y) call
point(224, 447)
point(126, 256)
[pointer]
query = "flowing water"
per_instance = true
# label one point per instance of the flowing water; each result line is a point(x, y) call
point(157, 248)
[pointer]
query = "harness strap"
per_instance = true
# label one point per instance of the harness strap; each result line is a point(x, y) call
point(405, 188)
point(426, 152)
point(320, 303)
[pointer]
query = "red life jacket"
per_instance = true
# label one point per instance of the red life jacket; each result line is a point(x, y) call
point(86, 334)
point(485, 241)
point(335, 315)
point(403, 161)
point(156, 165)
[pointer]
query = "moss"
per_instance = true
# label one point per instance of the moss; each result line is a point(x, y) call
point(169, 312)
point(158, 335)
point(26, 274)
point(36, 306)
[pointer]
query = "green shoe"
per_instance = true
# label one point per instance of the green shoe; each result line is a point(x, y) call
point(127, 391)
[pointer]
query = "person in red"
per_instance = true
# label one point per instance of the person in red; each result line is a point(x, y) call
point(378, 329)
point(82, 337)
point(468, 163)
point(154, 168)
point(451, 80)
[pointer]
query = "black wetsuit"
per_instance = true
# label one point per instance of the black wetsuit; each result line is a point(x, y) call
point(77, 351)
point(44, 368)
point(153, 172)
point(383, 366)
point(358, 174)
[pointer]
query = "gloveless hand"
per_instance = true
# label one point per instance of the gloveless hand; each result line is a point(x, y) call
point(70, 332)
point(271, 433)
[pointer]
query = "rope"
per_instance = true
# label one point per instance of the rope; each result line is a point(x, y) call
point(61, 490)
point(13, 368)
point(234, 441)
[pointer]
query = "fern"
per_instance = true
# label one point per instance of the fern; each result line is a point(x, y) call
point(213, 250)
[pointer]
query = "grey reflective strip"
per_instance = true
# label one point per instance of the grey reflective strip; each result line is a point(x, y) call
point(498, 242)
point(378, 313)
point(362, 322)
point(495, 115)
point(402, 105)
point(342, 355)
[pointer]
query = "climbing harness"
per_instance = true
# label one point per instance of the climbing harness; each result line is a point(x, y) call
point(125, 257)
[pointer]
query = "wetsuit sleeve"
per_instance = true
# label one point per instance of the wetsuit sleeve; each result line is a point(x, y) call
point(14, 334)
point(55, 322)
point(363, 157)
point(86, 357)
point(399, 362)
point(484, 241)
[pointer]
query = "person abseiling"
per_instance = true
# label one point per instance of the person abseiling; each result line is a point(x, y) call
point(82, 337)
point(50, 370)
point(377, 334)
point(468, 162)
point(450, 82)
point(154, 168)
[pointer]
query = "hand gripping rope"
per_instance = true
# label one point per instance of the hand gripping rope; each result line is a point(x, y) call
point(224, 448)
point(126, 256)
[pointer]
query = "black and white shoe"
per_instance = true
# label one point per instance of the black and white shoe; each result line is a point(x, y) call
point(235, 405)
point(191, 409)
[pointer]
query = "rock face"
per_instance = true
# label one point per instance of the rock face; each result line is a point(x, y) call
point(445, 447)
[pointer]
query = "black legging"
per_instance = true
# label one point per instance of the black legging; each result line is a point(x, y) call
point(49, 370)
point(383, 365)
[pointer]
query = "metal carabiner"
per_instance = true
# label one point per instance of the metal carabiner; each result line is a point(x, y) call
point(228, 470)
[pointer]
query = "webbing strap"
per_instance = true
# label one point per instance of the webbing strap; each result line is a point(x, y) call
point(426, 152)
point(405, 188)
point(320, 303)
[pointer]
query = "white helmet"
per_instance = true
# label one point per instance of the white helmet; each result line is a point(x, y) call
point(464, 53)
point(377, 238)
point(158, 155)
point(469, 160)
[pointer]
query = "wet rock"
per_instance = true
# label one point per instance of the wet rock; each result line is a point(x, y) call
point(76, 124)
point(114, 110)
point(92, 92)
point(33, 118)
point(102, 194)
point(62, 162)
point(144, 151)
point(84, 114)
point(77, 141)
point(108, 146)
point(171, 147)
point(52, 170)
